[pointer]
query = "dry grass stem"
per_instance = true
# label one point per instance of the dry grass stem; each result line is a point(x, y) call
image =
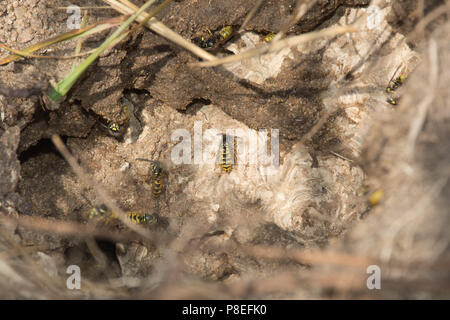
point(161, 29)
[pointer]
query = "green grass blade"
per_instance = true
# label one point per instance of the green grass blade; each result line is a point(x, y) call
point(61, 88)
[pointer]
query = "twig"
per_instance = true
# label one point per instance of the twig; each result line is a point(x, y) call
point(30, 55)
point(67, 228)
point(340, 156)
point(44, 279)
point(299, 12)
point(419, 120)
point(90, 7)
point(251, 14)
point(418, 29)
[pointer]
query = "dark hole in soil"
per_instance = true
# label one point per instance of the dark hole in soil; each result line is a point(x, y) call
point(195, 105)
point(43, 146)
point(129, 91)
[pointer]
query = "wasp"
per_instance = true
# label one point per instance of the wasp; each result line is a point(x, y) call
point(376, 197)
point(269, 37)
point(227, 152)
point(113, 128)
point(142, 218)
point(225, 33)
point(392, 101)
point(101, 213)
point(216, 38)
point(394, 84)
point(206, 43)
point(157, 172)
point(98, 212)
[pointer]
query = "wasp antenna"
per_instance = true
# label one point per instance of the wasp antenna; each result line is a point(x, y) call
point(395, 72)
point(103, 125)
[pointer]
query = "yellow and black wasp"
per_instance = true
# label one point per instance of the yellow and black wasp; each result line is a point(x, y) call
point(215, 39)
point(157, 173)
point(142, 218)
point(227, 152)
point(99, 212)
point(113, 129)
point(269, 37)
point(102, 214)
point(392, 101)
point(225, 33)
point(394, 84)
point(397, 82)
